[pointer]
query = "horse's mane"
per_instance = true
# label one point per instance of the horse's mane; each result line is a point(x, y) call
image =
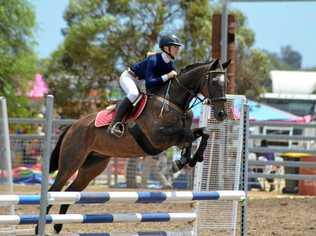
point(190, 67)
point(182, 71)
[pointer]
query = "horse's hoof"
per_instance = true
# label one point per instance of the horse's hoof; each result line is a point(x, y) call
point(193, 162)
point(200, 158)
point(57, 228)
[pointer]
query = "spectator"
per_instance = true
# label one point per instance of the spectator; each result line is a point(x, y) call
point(267, 154)
point(158, 165)
point(268, 169)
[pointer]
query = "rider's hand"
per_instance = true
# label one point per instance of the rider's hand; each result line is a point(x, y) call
point(172, 74)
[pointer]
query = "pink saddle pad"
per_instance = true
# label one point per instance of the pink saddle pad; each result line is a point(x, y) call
point(106, 116)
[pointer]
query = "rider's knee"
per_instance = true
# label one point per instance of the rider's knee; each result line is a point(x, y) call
point(132, 96)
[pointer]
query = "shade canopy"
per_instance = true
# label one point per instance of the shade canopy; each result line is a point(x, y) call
point(264, 112)
point(261, 112)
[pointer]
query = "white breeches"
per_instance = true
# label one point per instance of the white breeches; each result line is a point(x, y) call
point(128, 85)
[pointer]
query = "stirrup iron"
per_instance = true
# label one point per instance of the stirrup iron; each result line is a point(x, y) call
point(117, 129)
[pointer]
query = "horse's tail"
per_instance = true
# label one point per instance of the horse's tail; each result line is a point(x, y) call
point(53, 164)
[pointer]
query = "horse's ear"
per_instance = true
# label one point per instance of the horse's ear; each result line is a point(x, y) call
point(226, 64)
point(214, 64)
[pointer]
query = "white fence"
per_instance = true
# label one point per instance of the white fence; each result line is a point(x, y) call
point(288, 144)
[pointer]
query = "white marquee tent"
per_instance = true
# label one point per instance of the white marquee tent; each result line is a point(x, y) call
point(293, 82)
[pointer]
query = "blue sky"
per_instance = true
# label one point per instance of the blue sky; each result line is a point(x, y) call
point(275, 25)
point(49, 16)
point(279, 24)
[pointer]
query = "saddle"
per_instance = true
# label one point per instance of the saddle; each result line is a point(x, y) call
point(106, 116)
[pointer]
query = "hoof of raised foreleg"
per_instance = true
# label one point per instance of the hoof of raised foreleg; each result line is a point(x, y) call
point(193, 162)
point(200, 157)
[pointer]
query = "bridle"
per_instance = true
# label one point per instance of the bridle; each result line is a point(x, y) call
point(209, 98)
point(207, 78)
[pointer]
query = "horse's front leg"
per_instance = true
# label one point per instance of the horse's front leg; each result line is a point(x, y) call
point(177, 165)
point(184, 136)
point(198, 155)
point(198, 132)
point(186, 153)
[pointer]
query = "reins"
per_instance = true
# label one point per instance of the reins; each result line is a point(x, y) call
point(194, 95)
point(166, 102)
point(166, 98)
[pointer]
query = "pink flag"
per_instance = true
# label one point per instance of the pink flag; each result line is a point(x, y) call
point(39, 88)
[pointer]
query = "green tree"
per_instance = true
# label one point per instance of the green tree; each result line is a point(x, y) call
point(103, 37)
point(196, 31)
point(254, 66)
point(17, 58)
point(291, 57)
point(287, 59)
point(312, 68)
point(253, 74)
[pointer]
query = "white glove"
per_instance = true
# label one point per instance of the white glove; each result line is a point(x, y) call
point(172, 74)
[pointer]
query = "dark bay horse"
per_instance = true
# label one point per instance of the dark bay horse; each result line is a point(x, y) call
point(87, 149)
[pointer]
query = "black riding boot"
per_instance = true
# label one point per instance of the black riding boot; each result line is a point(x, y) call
point(123, 108)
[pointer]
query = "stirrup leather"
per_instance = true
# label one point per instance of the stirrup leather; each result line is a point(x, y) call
point(117, 129)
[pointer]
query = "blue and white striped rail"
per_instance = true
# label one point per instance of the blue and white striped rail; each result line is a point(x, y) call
point(92, 218)
point(135, 197)
point(152, 233)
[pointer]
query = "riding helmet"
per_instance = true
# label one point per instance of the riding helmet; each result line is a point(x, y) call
point(169, 40)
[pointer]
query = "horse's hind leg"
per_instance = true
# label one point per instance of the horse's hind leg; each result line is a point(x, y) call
point(60, 181)
point(70, 160)
point(92, 167)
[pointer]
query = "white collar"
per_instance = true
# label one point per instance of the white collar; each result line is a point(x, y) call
point(165, 57)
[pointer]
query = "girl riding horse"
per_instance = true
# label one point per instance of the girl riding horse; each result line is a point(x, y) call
point(87, 149)
point(156, 69)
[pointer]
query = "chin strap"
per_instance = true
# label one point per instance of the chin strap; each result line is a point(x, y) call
point(172, 57)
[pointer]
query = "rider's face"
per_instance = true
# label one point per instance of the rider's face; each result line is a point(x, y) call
point(173, 50)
